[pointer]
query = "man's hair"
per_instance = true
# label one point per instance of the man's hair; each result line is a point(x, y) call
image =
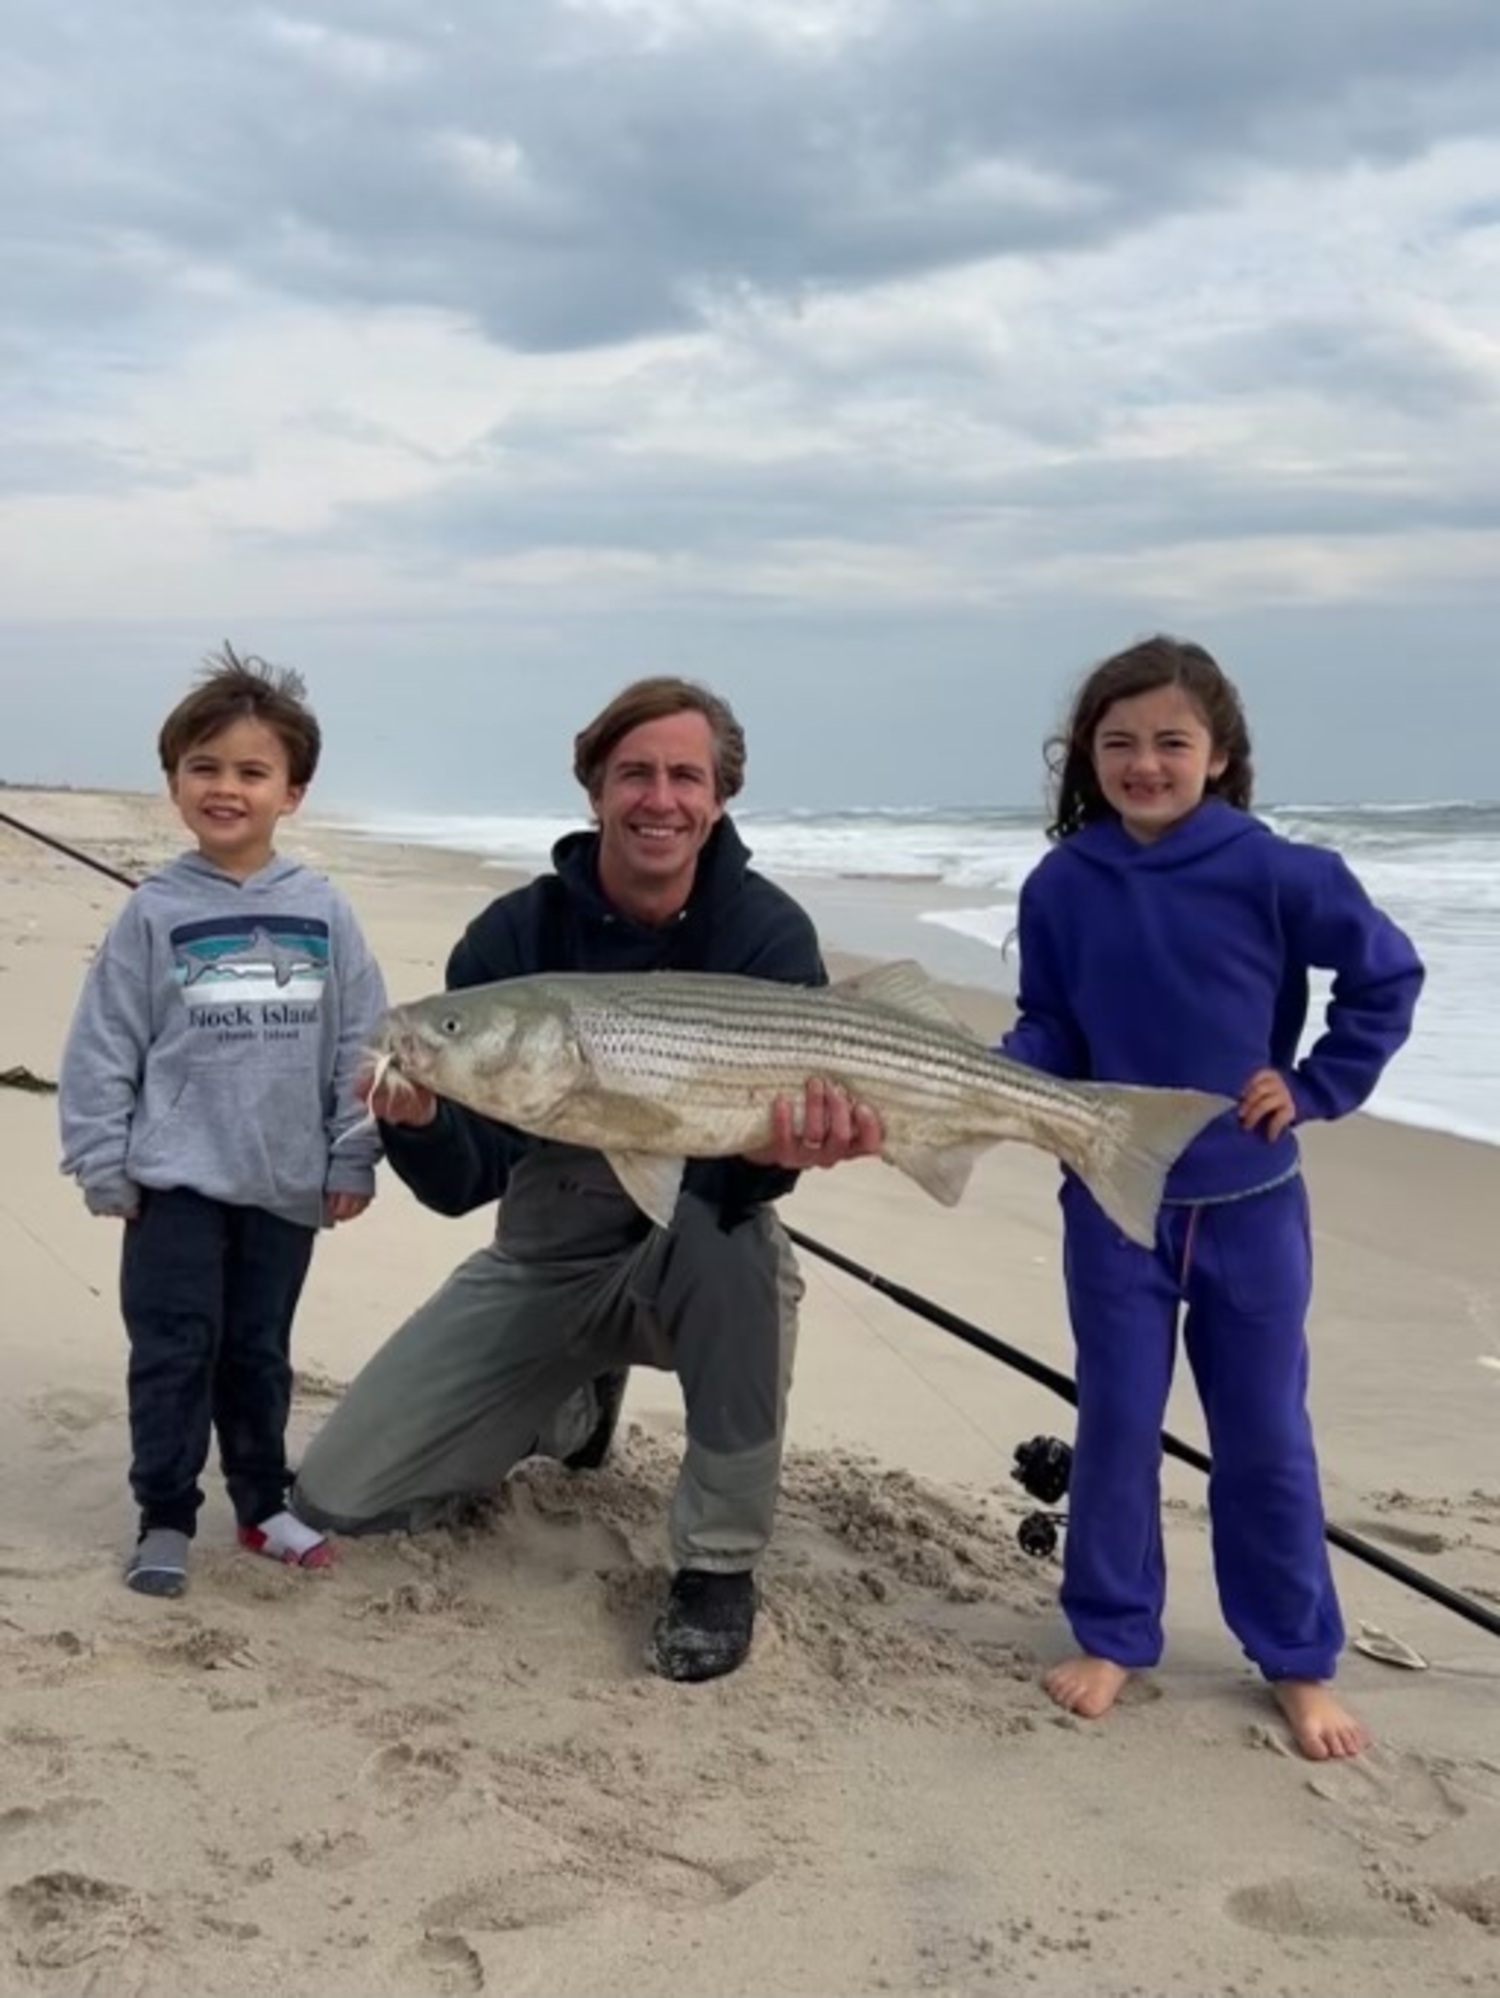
point(232, 689)
point(653, 700)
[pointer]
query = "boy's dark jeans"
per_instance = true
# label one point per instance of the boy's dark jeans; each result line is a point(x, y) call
point(208, 1293)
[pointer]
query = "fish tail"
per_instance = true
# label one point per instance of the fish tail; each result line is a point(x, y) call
point(1146, 1132)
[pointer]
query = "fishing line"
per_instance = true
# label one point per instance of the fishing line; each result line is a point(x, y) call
point(40, 1242)
point(904, 1359)
point(1014, 1357)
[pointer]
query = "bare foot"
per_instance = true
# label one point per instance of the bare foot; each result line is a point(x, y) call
point(1086, 1686)
point(1322, 1728)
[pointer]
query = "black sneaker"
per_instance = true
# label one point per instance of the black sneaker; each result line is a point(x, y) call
point(609, 1393)
point(705, 1629)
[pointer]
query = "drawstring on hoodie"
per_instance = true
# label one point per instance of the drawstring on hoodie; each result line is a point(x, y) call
point(1188, 1240)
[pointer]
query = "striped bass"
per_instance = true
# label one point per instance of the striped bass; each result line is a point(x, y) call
point(654, 1068)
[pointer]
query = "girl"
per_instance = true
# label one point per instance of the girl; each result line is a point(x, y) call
point(1167, 939)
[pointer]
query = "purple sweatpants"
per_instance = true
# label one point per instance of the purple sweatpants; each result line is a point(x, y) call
point(1243, 1270)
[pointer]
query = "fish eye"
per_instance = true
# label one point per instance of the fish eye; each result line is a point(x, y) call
point(452, 1025)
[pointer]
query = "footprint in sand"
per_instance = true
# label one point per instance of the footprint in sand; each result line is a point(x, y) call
point(50, 1758)
point(64, 1919)
point(548, 1894)
point(203, 1647)
point(410, 1776)
point(22, 1819)
point(1477, 1900)
point(1386, 1798)
point(127, 1652)
point(333, 1850)
point(445, 1963)
point(51, 1656)
point(68, 1414)
point(1325, 1907)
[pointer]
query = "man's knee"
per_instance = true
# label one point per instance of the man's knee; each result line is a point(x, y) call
point(347, 1525)
point(330, 1490)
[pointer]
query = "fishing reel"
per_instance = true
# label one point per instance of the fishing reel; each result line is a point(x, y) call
point(1042, 1468)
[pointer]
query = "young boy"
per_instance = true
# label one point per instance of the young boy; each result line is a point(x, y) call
point(208, 1075)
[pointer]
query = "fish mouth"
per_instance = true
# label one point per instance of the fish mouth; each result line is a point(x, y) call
point(388, 1072)
point(403, 1051)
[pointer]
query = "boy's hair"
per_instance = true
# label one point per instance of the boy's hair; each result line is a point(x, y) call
point(1154, 662)
point(653, 700)
point(232, 689)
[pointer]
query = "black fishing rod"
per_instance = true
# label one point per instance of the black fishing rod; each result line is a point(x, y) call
point(1060, 1384)
point(72, 852)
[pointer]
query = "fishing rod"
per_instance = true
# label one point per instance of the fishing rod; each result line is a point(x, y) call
point(72, 852)
point(1042, 1464)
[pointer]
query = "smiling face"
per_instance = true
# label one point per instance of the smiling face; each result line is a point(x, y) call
point(1154, 756)
point(232, 791)
point(656, 802)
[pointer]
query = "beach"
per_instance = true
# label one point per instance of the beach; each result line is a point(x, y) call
point(443, 1767)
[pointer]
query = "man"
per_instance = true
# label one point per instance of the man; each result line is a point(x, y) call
point(527, 1346)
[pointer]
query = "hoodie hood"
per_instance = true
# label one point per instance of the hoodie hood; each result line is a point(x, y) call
point(1212, 826)
point(193, 871)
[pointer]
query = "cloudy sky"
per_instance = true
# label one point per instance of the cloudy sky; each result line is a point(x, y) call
point(882, 362)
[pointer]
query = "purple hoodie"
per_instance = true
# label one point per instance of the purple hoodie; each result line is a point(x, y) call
point(1185, 962)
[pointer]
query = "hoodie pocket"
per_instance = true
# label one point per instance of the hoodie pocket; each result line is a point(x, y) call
point(1258, 1251)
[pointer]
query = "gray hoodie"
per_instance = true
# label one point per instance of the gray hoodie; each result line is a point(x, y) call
point(216, 1043)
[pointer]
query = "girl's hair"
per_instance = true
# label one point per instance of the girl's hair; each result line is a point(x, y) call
point(232, 689)
point(654, 700)
point(1154, 662)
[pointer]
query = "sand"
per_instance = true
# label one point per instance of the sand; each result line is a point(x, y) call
point(444, 1768)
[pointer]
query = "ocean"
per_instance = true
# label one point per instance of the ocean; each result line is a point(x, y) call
point(941, 885)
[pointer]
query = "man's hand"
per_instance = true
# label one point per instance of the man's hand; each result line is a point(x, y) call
point(397, 1101)
point(1267, 1099)
point(833, 1128)
point(344, 1207)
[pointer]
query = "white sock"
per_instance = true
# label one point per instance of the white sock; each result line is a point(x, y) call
point(286, 1534)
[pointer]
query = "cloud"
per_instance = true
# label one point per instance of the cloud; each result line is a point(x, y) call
point(588, 327)
point(570, 176)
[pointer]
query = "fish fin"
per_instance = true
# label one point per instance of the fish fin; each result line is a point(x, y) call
point(652, 1181)
point(1150, 1130)
point(942, 1171)
point(906, 988)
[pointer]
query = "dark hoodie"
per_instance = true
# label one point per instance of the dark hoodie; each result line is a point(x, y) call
point(735, 921)
point(1185, 962)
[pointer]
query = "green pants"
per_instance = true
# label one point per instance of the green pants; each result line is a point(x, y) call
point(497, 1364)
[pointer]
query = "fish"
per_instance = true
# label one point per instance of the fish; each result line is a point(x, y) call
point(655, 1068)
